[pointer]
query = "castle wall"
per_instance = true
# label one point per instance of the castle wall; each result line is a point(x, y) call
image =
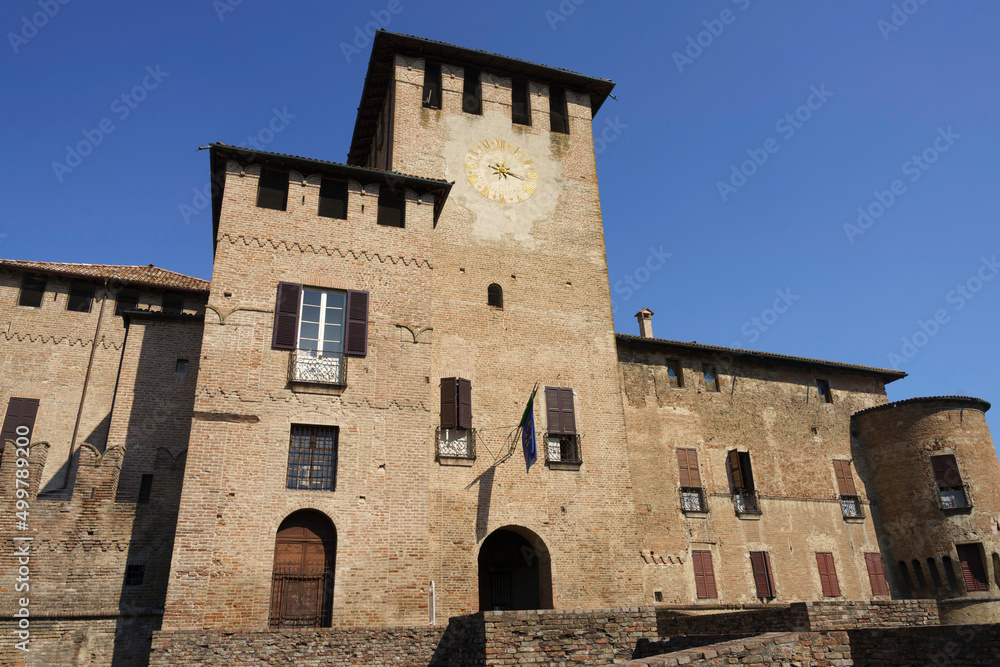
point(771, 410)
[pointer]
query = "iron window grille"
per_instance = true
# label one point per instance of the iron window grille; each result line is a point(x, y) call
point(693, 499)
point(317, 367)
point(562, 448)
point(312, 458)
point(746, 502)
point(852, 507)
point(301, 597)
point(955, 497)
point(455, 443)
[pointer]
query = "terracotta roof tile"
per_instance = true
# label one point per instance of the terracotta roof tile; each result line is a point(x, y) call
point(150, 275)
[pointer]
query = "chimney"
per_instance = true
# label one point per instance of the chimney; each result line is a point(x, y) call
point(645, 317)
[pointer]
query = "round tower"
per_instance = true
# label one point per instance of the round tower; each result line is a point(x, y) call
point(936, 479)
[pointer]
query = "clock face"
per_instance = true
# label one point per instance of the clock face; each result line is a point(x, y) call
point(500, 171)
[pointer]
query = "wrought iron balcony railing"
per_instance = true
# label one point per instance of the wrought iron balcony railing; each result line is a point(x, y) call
point(746, 502)
point(456, 443)
point(693, 499)
point(852, 508)
point(317, 367)
point(561, 448)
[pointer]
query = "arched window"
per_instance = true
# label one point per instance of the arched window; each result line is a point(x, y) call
point(494, 296)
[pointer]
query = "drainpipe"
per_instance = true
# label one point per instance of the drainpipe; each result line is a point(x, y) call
point(86, 381)
point(433, 609)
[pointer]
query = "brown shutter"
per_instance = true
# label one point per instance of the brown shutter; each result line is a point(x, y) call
point(687, 460)
point(568, 418)
point(972, 568)
point(734, 466)
point(760, 562)
point(20, 412)
point(704, 574)
point(464, 403)
point(286, 316)
point(946, 471)
point(828, 574)
point(876, 574)
point(449, 403)
point(552, 410)
point(845, 480)
point(356, 343)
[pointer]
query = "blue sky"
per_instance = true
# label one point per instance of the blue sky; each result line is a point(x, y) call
point(744, 140)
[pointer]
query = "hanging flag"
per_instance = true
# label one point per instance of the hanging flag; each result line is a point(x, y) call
point(527, 427)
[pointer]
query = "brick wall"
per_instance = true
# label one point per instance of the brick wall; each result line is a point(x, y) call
point(121, 641)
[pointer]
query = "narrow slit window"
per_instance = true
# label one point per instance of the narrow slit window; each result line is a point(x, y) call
point(81, 296)
point(391, 207)
point(520, 102)
point(272, 189)
point(472, 92)
point(558, 114)
point(432, 85)
point(333, 199)
point(711, 377)
point(32, 291)
point(128, 299)
point(823, 389)
point(145, 489)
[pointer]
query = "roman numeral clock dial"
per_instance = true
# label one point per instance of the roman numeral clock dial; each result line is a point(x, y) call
point(501, 171)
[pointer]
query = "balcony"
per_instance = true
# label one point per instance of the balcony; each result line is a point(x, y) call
point(955, 498)
point(693, 500)
point(746, 502)
point(563, 451)
point(852, 508)
point(314, 367)
point(455, 446)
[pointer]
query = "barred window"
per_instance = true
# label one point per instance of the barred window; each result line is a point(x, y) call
point(312, 458)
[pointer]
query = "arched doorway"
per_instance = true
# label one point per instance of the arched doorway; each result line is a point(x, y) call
point(515, 571)
point(305, 550)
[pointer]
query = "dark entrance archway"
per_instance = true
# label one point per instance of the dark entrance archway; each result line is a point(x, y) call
point(305, 551)
point(515, 571)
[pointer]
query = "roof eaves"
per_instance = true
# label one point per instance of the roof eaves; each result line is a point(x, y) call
point(888, 374)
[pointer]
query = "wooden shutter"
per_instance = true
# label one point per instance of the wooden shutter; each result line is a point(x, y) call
point(876, 574)
point(286, 317)
point(567, 415)
point(760, 562)
point(828, 574)
point(553, 422)
point(449, 403)
point(356, 343)
point(734, 467)
point(972, 568)
point(946, 471)
point(687, 460)
point(845, 480)
point(464, 403)
point(20, 412)
point(704, 575)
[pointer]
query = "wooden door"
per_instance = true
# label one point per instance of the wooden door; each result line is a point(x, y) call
point(302, 592)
